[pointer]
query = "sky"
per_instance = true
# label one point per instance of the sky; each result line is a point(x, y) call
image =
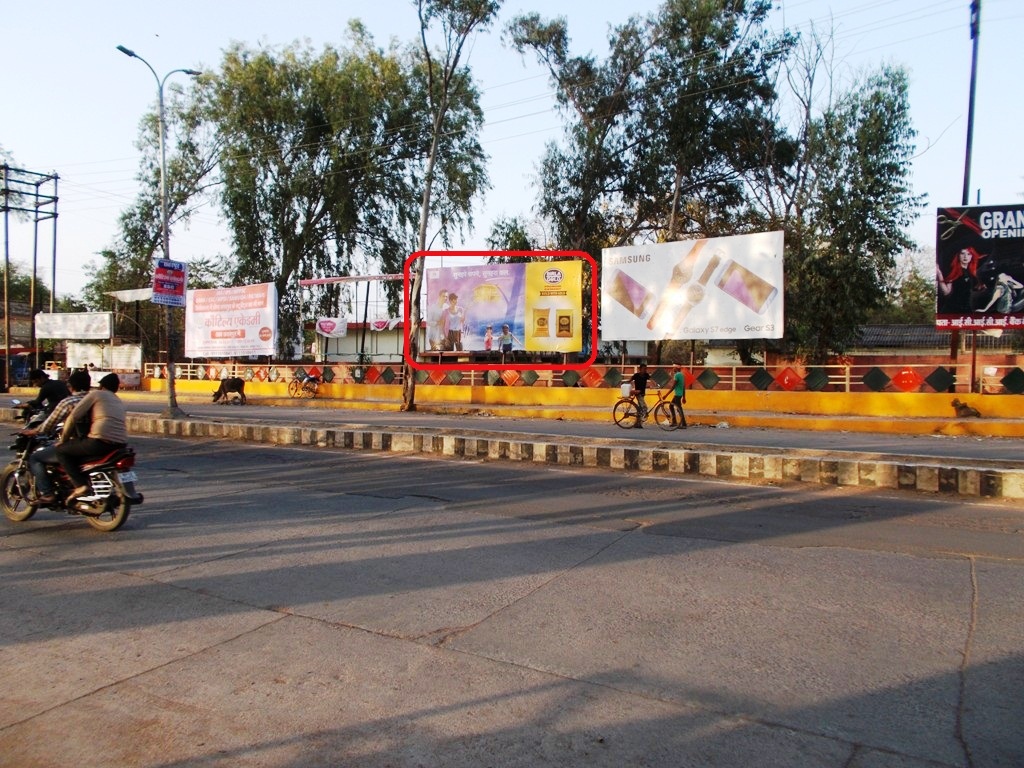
point(71, 104)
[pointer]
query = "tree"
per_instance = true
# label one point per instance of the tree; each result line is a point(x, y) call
point(454, 113)
point(844, 200)
point(192, 151)
point(511, 234)
point(303, 150)
point(669, 109)
point(910, 297)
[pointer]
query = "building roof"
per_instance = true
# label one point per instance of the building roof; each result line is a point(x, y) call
point(927, 337)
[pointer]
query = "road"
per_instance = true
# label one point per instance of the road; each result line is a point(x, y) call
point(293, 607)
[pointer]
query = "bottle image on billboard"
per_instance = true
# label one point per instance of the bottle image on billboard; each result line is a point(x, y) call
point(631, 294)
point(747, 288)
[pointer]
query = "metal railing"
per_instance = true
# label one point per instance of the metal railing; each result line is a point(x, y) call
point(894, 378)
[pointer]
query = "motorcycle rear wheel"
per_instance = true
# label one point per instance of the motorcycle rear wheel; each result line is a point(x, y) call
point(15, 505)
point(114, 515)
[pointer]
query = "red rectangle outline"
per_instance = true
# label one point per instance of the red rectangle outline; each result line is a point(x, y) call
point(418, 366)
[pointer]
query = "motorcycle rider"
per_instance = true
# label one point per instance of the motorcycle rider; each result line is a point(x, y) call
point(103, 414)
point(51, 391)
point(79, 383)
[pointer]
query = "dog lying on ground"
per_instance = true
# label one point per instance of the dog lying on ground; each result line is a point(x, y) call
point(964, 411)
point(231, 386)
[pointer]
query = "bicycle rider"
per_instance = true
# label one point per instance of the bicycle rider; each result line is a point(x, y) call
point(639, 381)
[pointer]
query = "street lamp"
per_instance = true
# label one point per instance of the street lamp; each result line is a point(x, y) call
point(172, 411)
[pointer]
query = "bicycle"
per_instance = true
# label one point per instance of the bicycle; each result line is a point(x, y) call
point(627, 411)
point(664, 417)
point(304, 386)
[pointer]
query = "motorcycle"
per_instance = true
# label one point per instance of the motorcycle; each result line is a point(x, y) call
point(105, 507)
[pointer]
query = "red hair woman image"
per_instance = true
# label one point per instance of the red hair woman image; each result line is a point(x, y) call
point(956, 287)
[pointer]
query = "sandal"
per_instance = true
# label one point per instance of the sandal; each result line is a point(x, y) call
point(78, 492)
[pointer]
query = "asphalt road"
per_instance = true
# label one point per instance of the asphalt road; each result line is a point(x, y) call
point(296, 607)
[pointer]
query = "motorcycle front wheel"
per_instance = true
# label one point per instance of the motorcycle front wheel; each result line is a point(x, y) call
point(12, 499)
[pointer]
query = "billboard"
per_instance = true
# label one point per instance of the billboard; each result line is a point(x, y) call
point(713, 288)
point(979, 267)
point(74, 325)
point(231, 322)
point(534, 306)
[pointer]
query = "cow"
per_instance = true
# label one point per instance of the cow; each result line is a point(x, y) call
point(230, 386)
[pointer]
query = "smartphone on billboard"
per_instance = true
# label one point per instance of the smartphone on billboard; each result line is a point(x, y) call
point(630, 294)
point(747, 288)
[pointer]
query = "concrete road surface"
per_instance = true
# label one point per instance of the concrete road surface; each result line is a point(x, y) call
point(294, 607)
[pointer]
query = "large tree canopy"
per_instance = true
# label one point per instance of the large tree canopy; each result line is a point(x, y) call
point(655, 145)
point(315, 164)
point(324, 158)
point(844, 200)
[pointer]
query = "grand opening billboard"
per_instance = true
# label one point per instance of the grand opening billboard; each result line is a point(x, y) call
point(712, 288)
point(979, 267)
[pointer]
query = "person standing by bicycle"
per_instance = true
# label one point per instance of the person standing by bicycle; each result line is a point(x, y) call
point(678, 388)
point(639, 381)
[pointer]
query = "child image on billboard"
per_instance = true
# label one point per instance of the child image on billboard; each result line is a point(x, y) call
point(462, 302)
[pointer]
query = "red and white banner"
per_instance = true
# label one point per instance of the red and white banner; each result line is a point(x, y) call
point(332, 327)
point(231, 322)
point(170, 279)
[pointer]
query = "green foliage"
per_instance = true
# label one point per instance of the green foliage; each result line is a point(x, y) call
point(20, 283)
point(912, 304)
point(453, 171)
point(511, 234)
point(848, 224)
point(323, 158)
point(658, 135)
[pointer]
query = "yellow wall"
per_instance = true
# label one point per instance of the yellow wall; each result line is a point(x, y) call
point(879, 404)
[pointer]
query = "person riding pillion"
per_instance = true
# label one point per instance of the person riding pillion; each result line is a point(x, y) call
point(79, 383)
point(101, 416)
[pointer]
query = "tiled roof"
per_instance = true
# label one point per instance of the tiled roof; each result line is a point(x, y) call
point(925, 337)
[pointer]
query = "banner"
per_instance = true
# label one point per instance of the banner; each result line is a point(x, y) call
point(74, 325)
point(979, 267)
point(554, 312)
point(231, 322)
point(169, 281)
point(715, 288)
point(332, 327)
point(534, 306)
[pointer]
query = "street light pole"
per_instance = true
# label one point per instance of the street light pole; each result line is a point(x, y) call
point(172, 411)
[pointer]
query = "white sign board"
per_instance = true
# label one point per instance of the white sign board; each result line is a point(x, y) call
point(715, 288)
point(231, 322)
point(74, 325)
point(124, 357)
